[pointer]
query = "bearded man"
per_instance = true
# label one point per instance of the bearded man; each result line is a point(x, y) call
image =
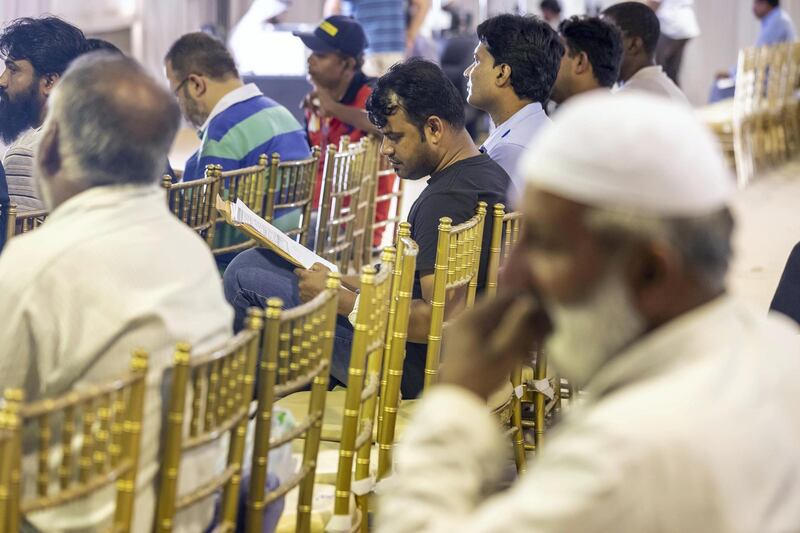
point(689, 415)
point(36, 52)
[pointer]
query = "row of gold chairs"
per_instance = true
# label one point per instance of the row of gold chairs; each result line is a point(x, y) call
point(759, 128)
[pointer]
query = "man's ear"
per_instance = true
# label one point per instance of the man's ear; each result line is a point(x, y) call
point(434, 128)
point(635, 45)
point(651, 271)
point(47, 83)
point(48, 150)
point(503, 76)
point(197, 84)
point(581, 64)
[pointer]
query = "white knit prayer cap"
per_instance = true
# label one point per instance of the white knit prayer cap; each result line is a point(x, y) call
point(633, 152)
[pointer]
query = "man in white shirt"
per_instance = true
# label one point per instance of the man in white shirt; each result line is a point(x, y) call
point(36, 53)
point(512, 73)
point(110, 270)
point(640, 30)
point(678, 26)
point(690, 413)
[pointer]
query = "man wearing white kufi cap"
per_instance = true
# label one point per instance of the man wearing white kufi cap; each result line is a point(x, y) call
point(691, 414)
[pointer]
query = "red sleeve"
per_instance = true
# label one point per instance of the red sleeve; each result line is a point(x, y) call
point(361, 97)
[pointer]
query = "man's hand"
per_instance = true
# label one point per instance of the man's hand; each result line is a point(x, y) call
point(311, 282)
point(485, 343)
point(324, 102)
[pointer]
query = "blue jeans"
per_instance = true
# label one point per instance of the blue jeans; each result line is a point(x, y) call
point(259, 274)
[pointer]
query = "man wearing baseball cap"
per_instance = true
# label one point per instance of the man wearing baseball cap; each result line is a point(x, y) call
point(336, 105)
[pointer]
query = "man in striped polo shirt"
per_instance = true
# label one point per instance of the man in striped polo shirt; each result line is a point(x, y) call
point(236, 122)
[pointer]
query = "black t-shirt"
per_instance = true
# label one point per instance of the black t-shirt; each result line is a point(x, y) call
point(452, 192)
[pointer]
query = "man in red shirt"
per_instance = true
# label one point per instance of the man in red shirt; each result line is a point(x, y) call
point(336, 105)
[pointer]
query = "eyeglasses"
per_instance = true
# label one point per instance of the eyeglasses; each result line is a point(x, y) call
point(180, 85)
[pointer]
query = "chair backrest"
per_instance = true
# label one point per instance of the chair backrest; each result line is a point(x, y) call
point(248, 184)
point(505, 234)
point(394, 351)
point(93, 434)
point(297, 346)
point(194, 203)
point(363, 384)
point(290, 185)
point(458, 257)
point(19, 222)
point(221, 382)
point(365, 210)
point(336, 221)
point(6, 466)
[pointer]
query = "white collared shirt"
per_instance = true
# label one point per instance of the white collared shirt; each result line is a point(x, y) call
point(111, 270)
point(696, 427)
point(245, 92)
point(654, 81)
point(508, 140)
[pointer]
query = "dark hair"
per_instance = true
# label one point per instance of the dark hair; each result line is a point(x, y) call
point(601, 41)
point(49, 43)
point(200, 53)
point(422, 89)
point(101, 45)
point(773, 3)
point(550, 5)
point(636, 20)
point(530, 47)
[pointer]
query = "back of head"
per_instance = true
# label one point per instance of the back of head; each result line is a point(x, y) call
point(420, 88)
point(200, 53)
point(601, 41)
point(115, 122)
point(101, 45)
point(49, 43)
point(530, 47)
point(635, 19)
point(550, 5)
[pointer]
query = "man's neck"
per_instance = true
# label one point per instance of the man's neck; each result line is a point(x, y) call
point(507, 109)
point(339, 89)
point(459, 148)
point(635, 66)
point(218, 90)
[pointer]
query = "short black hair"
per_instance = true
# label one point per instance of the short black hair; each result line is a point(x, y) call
point(530, 47)
point(601, 41)
point(774, 3)
point(101, 45)
point(550, 5)
point(422, 89)
point(49, 43)
point(200, 53)
point(635, 19)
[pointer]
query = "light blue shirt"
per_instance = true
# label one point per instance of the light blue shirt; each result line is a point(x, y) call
point(776, 27)
point(508, 141)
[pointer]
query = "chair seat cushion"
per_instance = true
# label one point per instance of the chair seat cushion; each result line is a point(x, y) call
point(321, 509)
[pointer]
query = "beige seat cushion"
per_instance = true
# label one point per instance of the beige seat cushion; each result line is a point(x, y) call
point(321, 509)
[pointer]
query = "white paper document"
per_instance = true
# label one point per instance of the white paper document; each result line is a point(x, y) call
point(302, 256)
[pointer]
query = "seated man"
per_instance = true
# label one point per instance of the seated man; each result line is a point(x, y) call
point(592, 58)
point(107, 272)
point(335, 108)
point(690, 416)
point(236, 122)
point(36, 52)
point(776, 27)
point(421, 115)
point(640, 32)
point(515, 65)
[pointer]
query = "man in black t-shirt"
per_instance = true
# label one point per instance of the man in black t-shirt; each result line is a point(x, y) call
point(421, 115)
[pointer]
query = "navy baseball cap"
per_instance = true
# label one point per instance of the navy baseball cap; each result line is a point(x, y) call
point(336, 34)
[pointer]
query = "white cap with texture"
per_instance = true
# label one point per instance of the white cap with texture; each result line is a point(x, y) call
point(633, 152)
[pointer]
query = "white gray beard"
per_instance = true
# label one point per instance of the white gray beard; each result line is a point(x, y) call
point(587, 335)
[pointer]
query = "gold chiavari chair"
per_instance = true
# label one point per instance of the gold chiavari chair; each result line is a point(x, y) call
point(350, 414)
point(746, 104)
point(792, 111)
point(222, 386)
point(395, 350)
point(290, 186)
point(93, 435)
point(297, 349)
point(365, 209)
point(458, 256)
point(341, 186)
point(394, 198)
point(6, 465)
point(194, 203)
point(19, 222)
point(247, 184)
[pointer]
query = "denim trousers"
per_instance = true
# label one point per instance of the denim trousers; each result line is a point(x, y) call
point(258, 274)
